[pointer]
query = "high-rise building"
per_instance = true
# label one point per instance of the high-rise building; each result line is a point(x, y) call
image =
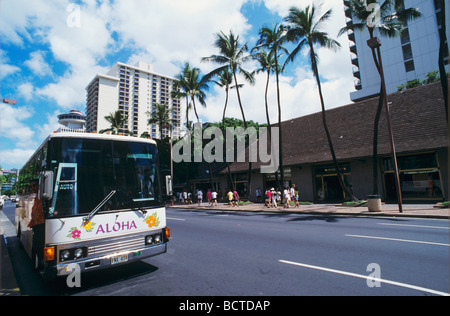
point(133, 90)
point(411, 56)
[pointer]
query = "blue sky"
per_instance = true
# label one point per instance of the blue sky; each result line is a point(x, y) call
point(51, 49)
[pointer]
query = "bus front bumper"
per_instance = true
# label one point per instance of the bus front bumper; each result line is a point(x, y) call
point(112, 260)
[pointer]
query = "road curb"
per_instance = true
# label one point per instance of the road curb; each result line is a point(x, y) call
point(8, 283)
point(329, 210)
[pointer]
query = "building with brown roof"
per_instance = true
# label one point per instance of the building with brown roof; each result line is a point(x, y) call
point(421, 138)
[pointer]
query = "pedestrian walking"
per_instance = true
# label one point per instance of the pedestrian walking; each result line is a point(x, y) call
point(273, 194)
point(199, 197)
point(214, 198)
point(209, 197)
point(230, 197)
point(236, 198)
point(286, 197)
point(268, 197)
point(258, 195)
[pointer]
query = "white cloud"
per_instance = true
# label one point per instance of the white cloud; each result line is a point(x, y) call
point(165, 33)
point(298, 90)
point(52, 125)
point(5, 68)
point(11, 126)
point(38, 64)
point(26, 90)
point(178, 30)
point(15, 158)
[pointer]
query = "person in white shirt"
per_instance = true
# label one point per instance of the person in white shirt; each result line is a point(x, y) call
point(199, 197)
point(286, 197)
point(214, 198)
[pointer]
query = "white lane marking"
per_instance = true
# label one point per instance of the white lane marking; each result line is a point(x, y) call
point(402, 240)
point(420, 226)
point(176, 219)
point(361, 276)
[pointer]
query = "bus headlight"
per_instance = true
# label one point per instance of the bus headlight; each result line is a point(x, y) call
point(65, 255)
point(72, 254)
point(78, 253)
point(153, 239)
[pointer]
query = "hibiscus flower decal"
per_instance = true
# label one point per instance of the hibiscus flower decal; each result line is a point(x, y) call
point(74, 233)
point(152, 220)
point(89, 226)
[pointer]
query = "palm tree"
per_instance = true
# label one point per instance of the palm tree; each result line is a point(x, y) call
point(392, 18)
point(232, 55)
point(179, 90)
point(161, 117)
point(117, 122)
point(193, 87)
point(273, 40)
point(305, 28)
point(225, 80)
point(267, 64)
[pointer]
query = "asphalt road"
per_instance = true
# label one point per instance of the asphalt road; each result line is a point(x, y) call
point(219, 253)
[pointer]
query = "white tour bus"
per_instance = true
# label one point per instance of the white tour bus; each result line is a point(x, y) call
point(101, 200)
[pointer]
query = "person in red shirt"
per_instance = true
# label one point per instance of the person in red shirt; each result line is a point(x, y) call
point(268, 198)
point(37, 224)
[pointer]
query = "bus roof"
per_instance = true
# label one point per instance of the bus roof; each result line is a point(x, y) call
point(84, 135)
point(101, 137)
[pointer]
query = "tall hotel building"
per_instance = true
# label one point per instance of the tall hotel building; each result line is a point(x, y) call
point(133, 90)
point(411, 56)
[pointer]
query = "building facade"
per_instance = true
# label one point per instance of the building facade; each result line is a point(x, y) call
point(411, 56)
point(133, 90)
point(421, 139)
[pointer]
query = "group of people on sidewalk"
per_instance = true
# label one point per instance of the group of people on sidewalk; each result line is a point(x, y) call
point(212, 197)
point(274, 198)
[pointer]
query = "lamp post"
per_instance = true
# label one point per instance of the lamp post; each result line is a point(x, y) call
point(9, 101)
point(171, 157)
point(375, 43)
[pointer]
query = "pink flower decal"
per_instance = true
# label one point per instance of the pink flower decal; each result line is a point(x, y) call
point(74, 233)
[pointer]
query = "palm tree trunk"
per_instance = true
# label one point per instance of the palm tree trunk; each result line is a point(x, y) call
point(230, 179)
point(224, 110)
point(269, 130)
point(195, 108)
point(442, 49)
point(348, 193)
point(187, 113)
point(280, 135)
point(375, 144)
point(249, 176)
point(376, 124)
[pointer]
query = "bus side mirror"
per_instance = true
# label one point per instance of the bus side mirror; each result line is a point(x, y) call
point(169, 185)
point(46, 185)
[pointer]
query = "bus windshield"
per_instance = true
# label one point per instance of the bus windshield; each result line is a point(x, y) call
point(86, 171)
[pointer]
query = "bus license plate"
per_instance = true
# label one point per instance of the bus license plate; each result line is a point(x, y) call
point(119, 259)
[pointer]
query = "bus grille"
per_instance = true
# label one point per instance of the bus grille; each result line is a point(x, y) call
point(117, 244)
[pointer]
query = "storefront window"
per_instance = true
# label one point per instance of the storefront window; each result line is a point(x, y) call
point(327, 184)
point(419, 177)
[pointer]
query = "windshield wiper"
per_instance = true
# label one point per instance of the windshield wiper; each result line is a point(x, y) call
point(97, 208)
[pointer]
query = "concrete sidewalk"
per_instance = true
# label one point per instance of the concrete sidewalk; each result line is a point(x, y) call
point(409, 210)
point(8, 284)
